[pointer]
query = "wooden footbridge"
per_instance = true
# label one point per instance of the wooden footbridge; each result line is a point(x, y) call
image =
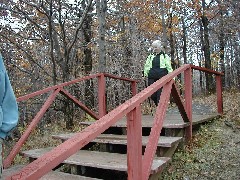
point(127, 144)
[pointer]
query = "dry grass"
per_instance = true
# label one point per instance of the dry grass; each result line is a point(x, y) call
point(214, 150)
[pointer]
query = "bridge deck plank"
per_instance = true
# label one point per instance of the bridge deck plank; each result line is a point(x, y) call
point(171, 120)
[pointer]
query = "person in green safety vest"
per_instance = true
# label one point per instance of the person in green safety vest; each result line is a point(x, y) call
point(157, 65)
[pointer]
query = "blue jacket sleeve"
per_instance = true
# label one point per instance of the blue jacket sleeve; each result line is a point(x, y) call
point(8, 103)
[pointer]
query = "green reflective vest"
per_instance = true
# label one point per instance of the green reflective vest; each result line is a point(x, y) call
point(165, 62)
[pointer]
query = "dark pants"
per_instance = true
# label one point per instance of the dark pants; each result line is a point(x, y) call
point(155, 96)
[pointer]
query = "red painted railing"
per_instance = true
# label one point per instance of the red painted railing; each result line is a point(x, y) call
point(60, 89)
point(138, 167)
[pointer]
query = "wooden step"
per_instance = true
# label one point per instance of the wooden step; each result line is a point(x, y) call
point(118, 143)
point(147, 122)
point(53, 175)
point(171, 121)
point(173, 124)
point(102, 160)
point(122, 139)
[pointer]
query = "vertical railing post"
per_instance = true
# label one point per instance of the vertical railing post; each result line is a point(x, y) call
point(219, 94)
point(134, 88)
point(101, 95)
point(134, 144)
point(188, 100)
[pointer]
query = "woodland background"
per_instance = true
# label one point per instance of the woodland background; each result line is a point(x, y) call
point(46, 42)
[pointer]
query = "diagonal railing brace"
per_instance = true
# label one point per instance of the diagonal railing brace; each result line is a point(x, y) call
point(7, 162)
point(156, 130)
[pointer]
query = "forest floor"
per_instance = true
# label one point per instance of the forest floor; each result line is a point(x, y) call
point(214, 152)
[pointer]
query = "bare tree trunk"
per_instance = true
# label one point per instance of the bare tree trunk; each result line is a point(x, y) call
point(237, 62)
point(206, 50)
point(231, 64)
point(126, 46)
point(164, 27)
point(50, 32)
point(200, 74)
point(101, 7)
point(136, 47)
point(172, 43)
point(177, 55)
point(227, 72)
point(87, 33)
point(184, 37)
point(222, 43)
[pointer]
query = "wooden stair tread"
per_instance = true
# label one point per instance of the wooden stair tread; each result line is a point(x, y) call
point(52, 175)
point(122, 139)
point(103, 160)
point(171, 121)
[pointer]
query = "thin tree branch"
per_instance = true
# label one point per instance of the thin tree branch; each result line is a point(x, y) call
point(80, 25)
point(28, 55)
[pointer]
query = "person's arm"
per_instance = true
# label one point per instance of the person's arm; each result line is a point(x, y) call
point(168, 63)
point(148, 65)
point(8, 103)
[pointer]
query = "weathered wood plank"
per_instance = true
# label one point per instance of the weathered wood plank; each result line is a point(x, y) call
point(122, 139)
point(103, 160)
point(53, 175)
point(171, 120)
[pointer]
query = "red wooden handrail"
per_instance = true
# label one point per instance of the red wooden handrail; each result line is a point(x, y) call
point(59, 89)
point(206, 70)
point(218, 85)
point(138, 168)
point(43, 91)
point(40, 92)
